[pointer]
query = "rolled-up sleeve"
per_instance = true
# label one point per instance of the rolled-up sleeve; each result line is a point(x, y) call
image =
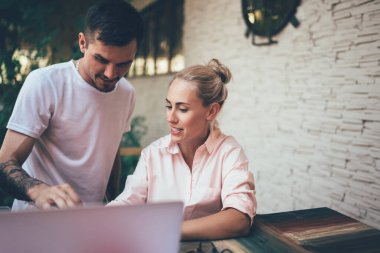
point(136, 187)
point(238, 188)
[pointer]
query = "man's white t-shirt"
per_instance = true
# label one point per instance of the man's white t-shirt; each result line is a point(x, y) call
point(77, 129)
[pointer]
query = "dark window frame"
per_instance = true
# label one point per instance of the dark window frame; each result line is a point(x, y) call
point(163, 21)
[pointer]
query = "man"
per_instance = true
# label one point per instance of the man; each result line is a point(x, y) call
point(69, 118)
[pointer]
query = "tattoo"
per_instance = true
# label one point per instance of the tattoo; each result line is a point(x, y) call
point(15, 180)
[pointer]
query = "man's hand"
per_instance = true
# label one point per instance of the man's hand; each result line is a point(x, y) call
point(20, 185)
point(58, 196)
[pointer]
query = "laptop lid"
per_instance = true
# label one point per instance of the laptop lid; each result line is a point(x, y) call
point(114, 229)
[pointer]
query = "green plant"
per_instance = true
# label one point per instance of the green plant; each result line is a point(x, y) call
point(8, 95)
point(138, 130)
point(132, 139)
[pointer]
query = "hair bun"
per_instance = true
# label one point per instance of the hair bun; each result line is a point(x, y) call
point(222, 71)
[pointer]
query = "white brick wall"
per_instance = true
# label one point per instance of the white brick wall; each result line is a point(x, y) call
point(307, 110)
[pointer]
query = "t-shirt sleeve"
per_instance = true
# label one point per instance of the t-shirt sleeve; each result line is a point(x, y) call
point(238, 190)
point(34, 107)
point(131, 108)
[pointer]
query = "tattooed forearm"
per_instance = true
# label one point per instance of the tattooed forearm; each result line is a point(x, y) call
point(15, 180)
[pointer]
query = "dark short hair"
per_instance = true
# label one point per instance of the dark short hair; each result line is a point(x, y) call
point(116, 21)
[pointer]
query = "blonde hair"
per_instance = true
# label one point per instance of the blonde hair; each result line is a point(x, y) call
point(210, 80)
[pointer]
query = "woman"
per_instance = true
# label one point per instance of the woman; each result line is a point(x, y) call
point(196, 163)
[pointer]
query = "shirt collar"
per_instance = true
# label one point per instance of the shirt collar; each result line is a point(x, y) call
point(212, 140)
point(172, 147)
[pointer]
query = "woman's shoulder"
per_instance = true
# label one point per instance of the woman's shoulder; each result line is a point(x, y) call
point(230, 140)
point(228, 146)
point(158, 144)
point(227, 142)
point(126, 85)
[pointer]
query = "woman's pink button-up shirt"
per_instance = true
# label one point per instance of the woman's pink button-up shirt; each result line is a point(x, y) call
point(219, 178)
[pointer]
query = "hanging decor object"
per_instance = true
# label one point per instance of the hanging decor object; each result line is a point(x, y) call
point(267, 18)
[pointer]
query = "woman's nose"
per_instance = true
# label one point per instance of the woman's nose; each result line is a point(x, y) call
point(170, 116)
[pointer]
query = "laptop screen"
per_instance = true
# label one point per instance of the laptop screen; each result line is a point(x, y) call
point(115, 229)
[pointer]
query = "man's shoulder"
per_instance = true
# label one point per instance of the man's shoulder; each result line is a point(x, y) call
point(51, 70)
point(56, 67)
point(51, 74)
point(125, 84)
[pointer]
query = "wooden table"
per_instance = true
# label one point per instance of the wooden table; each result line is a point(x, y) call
point(311, 230)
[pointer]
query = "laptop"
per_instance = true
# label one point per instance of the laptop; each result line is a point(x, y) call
point(116, 229)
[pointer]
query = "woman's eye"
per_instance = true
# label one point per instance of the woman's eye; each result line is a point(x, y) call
point(168, 107)
point(183, 110)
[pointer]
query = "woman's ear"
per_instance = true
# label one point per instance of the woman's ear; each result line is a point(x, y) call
point(213, 111)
